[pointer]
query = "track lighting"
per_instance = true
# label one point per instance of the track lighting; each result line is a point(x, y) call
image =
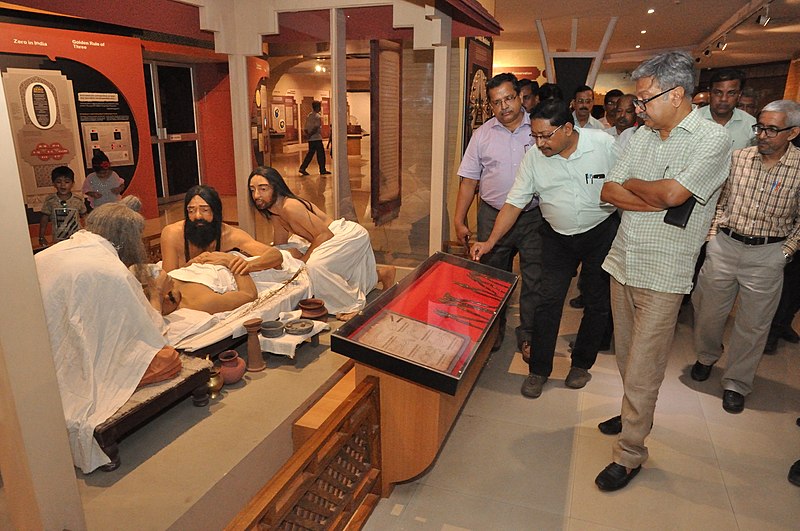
point(722, 43)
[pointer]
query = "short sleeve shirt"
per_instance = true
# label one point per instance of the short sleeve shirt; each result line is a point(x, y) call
point(64, 215)
point(648, 253)
point(740, 126)
point(493, 156)
point(568, 189)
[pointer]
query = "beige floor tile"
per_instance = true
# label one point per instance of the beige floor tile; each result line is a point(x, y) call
point(673, 491)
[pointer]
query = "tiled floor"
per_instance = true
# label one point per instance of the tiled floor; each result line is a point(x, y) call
point(511, 463)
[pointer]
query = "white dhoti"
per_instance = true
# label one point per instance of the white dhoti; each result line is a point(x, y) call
point(103, 334)
point(342, 269)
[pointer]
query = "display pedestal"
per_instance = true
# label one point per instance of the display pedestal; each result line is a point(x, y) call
point(416, 419)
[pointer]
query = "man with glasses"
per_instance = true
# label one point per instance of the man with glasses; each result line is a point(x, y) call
point(675, 157)
point(202, 237)
point(490, 162)
point(567, 173)
point(582, 103)
point(725, 89)
point(755, 234)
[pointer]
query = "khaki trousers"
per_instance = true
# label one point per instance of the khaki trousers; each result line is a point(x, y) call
point(644, 325)
point(755, 274)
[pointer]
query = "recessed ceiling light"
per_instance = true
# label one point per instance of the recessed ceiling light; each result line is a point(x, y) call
point(651, 11)
point(643, 32)
point(638, 46)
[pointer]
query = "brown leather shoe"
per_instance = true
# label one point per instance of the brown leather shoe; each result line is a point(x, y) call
point(577, 378)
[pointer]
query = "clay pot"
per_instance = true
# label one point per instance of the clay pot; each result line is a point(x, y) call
point(232, 368)
point(272, 329)
point(313, 309)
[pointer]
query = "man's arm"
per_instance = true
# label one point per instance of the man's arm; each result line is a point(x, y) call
point(505, 220)
point(615, 194)
point(663, 193)
point(465, 198)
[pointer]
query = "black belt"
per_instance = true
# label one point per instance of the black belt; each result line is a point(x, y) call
point(751, 240)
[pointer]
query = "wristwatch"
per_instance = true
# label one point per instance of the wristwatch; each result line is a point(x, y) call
point(788, 257)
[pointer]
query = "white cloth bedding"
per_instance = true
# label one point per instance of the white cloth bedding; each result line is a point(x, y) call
point(215, 277)
point(103, 334)
point(276, 293)
point(342, 269)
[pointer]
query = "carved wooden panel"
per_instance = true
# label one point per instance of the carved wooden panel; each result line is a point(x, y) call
point(333, 481)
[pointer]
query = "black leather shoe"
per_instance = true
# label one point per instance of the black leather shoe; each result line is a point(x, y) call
point(577, 302)
point(790, 335)
point(324, 172)
point(771, 347)
point(794, 474)
point(700, 372)
point(303, 171)
point(732, 402)
point(615, 477)
point(612, 426)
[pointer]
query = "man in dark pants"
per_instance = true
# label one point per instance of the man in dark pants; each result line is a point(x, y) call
point(491, 161)
point(567, 173)
point(781, 327)
point(312, 131)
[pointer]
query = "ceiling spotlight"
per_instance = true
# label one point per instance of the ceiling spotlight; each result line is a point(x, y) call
point(707, 52)
point(763, 20)
point(638, 46)
point(651, 11)
point(722, 43)
point(643, 32)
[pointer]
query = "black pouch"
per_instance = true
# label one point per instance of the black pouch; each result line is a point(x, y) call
point(679, 215)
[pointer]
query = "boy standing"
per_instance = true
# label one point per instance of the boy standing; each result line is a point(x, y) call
point(62, 207)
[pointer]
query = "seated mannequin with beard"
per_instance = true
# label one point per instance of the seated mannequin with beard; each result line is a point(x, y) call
point(176, 294)
point(203, 238)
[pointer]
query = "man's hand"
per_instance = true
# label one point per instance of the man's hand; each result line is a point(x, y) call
point(163, 283)
point(237, 264)
point(479, 249)
point(463, 233)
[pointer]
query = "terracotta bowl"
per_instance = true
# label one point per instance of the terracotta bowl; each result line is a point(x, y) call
point(313, 309)
point(272, 329)
point(299, 327)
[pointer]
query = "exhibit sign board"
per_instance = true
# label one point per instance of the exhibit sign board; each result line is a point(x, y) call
point(428, 327)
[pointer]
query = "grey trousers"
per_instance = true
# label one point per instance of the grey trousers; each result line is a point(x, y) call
point(644, 325)
point(755, 273)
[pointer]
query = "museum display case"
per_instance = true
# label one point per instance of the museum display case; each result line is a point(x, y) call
point(428, 327)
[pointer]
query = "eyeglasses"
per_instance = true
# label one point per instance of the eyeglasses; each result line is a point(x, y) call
point(546, 136)
point(769, 132)
point(508, 99)
point(643, 103)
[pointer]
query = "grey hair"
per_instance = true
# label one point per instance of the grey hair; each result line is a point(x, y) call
point(132, 202)
point(123, 228)
point(787, 107)
point(669, 69)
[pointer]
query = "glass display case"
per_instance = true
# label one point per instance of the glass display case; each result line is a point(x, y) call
point(428, 327)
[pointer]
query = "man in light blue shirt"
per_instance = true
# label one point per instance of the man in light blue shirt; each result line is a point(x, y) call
point(725, 89)
point(566, 173)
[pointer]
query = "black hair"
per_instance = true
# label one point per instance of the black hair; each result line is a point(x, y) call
point(499, 79)
point(525, 82)
point(98, 158)
point(316, 106)
point(582, 88)
point(62, 171)
point(279, 188)
point(555, 111)
point(613, 93)
point(550, 91)
point(210, 196)
point(727, 74)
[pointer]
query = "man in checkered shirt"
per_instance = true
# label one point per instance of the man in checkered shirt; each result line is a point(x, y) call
point(754, 235)
point(676, 157)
